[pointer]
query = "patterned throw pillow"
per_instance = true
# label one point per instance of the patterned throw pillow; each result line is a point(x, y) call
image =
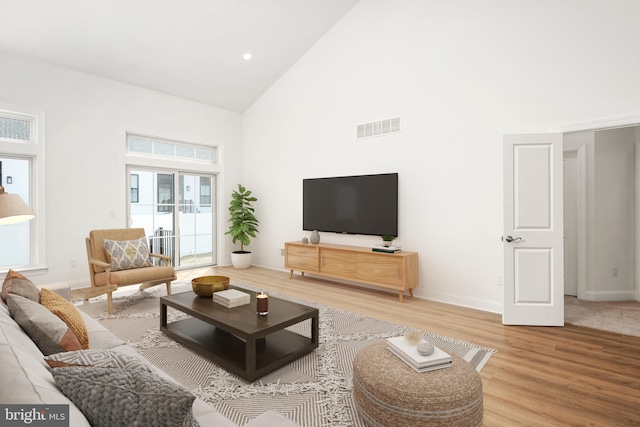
point(135, 397)
point(45, 329)
point(98, 358)
point(127, 254)
point(67, 312)
point(16, 283)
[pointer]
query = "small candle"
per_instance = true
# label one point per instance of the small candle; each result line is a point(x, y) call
point(262, 303)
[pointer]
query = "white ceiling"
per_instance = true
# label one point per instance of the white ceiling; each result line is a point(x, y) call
point(190, 48)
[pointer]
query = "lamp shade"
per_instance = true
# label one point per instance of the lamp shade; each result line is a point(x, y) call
point(13, 209)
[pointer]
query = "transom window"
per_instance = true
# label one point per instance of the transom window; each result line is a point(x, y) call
point(158, 147)
point(14, 128)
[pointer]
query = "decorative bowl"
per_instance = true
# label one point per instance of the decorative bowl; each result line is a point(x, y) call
point(205, 286)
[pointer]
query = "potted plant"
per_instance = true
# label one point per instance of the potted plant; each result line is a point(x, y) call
point(244, 225)
point(387, 239)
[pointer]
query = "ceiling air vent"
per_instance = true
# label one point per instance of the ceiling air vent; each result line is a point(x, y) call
point(379, 128)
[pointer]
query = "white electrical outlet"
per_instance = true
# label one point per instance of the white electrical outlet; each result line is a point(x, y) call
point(281, 252)
point(499, 279)
point(73, 264)
point(614, 271)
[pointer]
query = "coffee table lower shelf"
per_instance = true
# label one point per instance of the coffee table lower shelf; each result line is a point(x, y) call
point(250, 359)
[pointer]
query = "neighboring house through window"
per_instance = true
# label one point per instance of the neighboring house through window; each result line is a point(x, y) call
point(165, 193)
point(205, 191)
point(135, 188)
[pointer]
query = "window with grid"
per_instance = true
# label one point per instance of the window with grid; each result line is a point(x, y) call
point(20, 153)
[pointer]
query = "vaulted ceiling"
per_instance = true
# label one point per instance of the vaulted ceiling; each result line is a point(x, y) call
point(191, 48)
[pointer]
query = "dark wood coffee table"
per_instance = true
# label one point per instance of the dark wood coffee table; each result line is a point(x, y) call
point(237, 338)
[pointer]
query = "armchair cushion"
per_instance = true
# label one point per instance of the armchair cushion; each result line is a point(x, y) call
point(127, 254)
point(136, 275)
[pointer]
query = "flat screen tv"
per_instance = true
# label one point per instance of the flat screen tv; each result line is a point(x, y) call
point(363, 204)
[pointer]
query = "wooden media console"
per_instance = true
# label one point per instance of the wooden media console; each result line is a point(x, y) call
point(397, 271)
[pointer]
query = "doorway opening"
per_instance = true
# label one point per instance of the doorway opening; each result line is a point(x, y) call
point(533, 271)
point(600, 197)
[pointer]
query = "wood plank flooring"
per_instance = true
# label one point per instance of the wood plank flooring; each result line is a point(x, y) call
point(540, 376)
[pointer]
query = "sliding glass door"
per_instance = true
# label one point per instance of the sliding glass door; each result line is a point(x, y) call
point(196, 220)
point(177, 211)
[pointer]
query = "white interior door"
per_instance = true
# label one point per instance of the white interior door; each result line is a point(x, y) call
point(533, 230)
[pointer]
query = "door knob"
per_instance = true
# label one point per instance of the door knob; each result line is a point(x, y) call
point(510, 239)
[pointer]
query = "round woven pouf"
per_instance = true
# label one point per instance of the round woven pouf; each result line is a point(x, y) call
point(388, 392)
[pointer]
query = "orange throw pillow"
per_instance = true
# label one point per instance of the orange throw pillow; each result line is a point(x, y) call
point(68, 313)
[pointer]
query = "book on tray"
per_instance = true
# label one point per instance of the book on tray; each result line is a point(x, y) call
point(386, 249)
point(231, 298)
point(408, 353)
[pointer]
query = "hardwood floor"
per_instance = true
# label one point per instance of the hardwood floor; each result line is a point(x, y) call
point(540, 376)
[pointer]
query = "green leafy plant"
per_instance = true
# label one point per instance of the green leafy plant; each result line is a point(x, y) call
point(244, 224)
point(388, 238)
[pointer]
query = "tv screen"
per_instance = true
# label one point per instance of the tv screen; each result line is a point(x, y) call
point(364, 204)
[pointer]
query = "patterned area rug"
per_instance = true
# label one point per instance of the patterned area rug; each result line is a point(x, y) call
point(314, 390)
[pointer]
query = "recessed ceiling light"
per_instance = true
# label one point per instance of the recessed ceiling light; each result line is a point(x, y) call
point(246, 56)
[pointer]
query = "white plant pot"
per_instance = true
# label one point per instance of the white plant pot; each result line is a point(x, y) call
point(241, 261)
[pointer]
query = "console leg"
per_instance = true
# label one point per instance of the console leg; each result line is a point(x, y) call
point(401, 296)
point(290, 274)
point(411, 292)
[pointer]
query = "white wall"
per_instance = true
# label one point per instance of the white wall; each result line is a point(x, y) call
point(460, 74)
point(87, 118)
point(612, 240)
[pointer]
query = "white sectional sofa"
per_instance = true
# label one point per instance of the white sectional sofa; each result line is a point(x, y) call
point(28, 380)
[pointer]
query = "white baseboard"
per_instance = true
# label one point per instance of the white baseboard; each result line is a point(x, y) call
point(610, 295)
point(477, 304)
point(79, 284)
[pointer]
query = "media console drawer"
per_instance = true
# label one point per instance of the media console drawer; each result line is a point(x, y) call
point(397, 271)
point(382, 269)
point(302, 257)
point(340, 263)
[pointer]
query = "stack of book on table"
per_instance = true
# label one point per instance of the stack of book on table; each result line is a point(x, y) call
point(408, 353)
point(231, 298)
point(387, 249)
